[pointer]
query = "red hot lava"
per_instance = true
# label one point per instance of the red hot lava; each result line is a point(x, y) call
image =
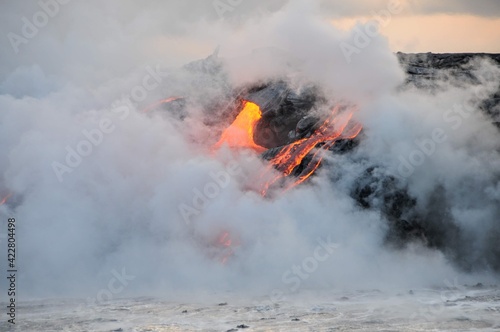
point(160, 102)
point(338, 125)
point(240, 133)
point(225, 241)
point(4, 199)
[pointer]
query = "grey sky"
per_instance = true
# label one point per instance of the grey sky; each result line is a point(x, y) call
point(340, 8)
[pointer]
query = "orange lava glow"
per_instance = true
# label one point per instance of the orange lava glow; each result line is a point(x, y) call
point(4, 200)
point(337, 126)
point(240, 133)
point(224, 240)
point(160, 102)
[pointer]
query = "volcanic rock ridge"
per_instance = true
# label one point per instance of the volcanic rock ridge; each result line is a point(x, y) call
point(288, 116)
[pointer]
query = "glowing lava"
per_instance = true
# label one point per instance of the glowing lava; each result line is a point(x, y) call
point(160, 102)
point(225, 242)
point(297, 161)
point(4, 200)
point(337, 126)
point(240, 133)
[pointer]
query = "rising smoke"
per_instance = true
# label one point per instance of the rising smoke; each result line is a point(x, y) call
point(118, 206)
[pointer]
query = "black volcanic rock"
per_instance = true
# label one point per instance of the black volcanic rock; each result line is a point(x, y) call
point(282, 109)
point(287, 118)
point(269, 97)
point(285, 111)
point(289, 115)
point(438, 61)
point(306, 126)
point(424, 69)
point(375, 188)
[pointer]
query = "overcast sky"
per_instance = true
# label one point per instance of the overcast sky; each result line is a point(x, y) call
point(428, 25)
point(489, 8)
point(92, 30)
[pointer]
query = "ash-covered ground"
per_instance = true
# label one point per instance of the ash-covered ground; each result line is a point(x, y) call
point(450, 308)
point(362, 190)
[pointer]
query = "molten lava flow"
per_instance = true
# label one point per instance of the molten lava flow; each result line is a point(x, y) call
point(4, 200)
point(305, 155)
point(160, 102)
point(337, 126)
point(226, 242)
point(240, 133)
point(225, 239)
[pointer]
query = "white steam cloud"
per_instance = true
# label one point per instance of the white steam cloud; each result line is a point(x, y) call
point(118, 208)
